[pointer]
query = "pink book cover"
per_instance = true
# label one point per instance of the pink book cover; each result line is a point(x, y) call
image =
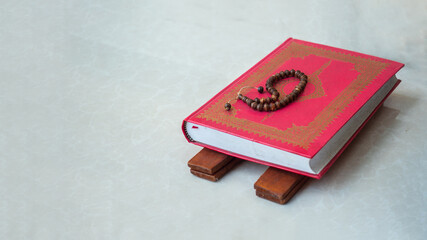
point(340, 82)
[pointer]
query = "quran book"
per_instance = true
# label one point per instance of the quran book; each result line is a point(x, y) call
point(343, 91)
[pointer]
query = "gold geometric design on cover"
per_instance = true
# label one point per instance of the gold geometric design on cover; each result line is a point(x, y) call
point(301, 136)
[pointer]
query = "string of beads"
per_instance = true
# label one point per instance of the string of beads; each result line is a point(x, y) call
point(274, 103)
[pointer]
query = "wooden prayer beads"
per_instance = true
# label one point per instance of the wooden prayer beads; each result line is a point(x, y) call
point(274, 103)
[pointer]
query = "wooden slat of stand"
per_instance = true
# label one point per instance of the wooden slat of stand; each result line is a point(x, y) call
point(211, 165)
point(209, 161)
point(274, 184)
point(217, 175)
point(278, 185)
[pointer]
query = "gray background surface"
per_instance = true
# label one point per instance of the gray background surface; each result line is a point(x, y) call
point(92, 95)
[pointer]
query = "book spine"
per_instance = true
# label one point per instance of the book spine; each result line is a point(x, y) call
point(184, 130)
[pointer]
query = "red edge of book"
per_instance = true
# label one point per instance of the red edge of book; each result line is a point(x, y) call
point(324, 170)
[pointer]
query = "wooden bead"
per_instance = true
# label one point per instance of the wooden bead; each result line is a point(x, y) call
point(266, 107)
point(227, 106)
point(283, 102)
point(302, 87)
point(262, 100)
point(274, 77)
point(259, 107)
point(304, 77)
point(256, 100)
point(287, 73)
point(296, 96)
point(274, 97)
point(273, 90)
point(240, 96)
point(254, 105)
point(292, 73)
point(282, 75)
point(268, 100)
point(278, 105)
point(249, 101)
point(272, 106)
point(293, 96)
point(260, 89)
